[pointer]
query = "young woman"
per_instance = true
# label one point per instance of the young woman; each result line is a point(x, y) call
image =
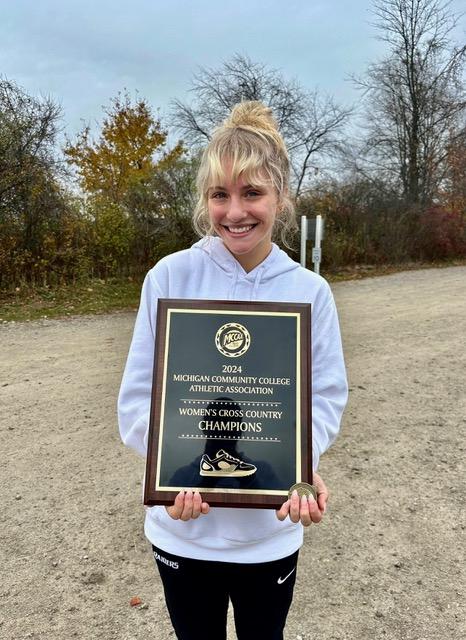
point(207, 557)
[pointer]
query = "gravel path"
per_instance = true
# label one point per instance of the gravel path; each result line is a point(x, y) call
point(388, 561)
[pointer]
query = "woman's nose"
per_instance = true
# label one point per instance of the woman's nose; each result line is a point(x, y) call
point(236, 210)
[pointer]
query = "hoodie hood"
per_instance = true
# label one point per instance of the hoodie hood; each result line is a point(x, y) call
point(276, 263)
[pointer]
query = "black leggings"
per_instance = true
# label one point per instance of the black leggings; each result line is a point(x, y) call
point(197, 594)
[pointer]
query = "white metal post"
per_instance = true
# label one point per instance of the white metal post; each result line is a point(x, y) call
point(317, 251)
point(303, 240)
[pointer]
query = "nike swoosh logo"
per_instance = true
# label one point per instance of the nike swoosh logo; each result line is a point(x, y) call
point(282, 580)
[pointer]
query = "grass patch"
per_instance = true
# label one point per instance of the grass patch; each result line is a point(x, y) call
point(94, 296)
point(99, 296)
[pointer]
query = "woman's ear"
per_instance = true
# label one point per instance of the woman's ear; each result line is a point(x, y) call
point(284, 195)
point(281, 202)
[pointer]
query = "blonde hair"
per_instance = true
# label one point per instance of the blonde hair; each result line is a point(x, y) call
point(250, 140)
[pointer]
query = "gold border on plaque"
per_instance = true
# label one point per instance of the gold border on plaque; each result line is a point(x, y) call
point(213, 311)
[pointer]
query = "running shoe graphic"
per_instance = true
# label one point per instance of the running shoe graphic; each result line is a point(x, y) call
point(225, 465)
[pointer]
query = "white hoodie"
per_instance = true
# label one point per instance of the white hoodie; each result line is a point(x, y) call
point(209, 271)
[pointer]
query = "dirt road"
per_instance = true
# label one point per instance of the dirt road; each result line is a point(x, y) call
point(389, 560)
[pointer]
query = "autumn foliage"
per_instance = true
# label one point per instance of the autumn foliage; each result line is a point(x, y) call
point(115, 202)
point(122, 175)
point(131, 146)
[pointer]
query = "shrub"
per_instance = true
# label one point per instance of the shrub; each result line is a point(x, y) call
point(442, 234)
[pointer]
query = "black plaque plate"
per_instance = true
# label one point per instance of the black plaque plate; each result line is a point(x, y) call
point(231, 408)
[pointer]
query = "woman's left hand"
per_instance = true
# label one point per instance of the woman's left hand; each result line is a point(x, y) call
point(306, 509)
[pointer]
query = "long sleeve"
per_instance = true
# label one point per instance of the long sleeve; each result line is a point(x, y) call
point(135, 392)
point(329, 383)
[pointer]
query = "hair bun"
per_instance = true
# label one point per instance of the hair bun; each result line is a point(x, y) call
point(252, 114)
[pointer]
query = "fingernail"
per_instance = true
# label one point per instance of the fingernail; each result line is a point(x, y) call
point(294, 494)
point(311, 498)
point(303, 500)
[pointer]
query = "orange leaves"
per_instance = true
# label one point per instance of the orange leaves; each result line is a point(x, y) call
point(125, 153)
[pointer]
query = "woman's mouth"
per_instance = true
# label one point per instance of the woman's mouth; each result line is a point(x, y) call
point(238, 230)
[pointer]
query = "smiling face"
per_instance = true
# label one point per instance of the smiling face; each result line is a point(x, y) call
point(243, 216)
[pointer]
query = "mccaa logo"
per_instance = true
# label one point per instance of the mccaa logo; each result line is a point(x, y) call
point(232, 340)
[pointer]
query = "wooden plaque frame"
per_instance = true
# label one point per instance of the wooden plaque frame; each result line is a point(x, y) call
point(165, 448)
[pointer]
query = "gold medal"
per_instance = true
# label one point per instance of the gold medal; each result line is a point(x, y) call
point(303, 489)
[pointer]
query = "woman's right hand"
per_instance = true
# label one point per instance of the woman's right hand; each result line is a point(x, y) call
point(187, 506)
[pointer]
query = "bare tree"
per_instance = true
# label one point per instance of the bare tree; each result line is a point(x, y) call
point(415, 96)
point(28, 131)
point(316, 136)
point(31, 199)
point(312, 126)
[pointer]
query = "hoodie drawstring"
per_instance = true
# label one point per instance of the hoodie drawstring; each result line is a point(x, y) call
point(257, 281)
point(234, 281)
point(255, 286)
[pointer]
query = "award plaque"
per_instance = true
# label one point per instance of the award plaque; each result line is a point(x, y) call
point(231, 402)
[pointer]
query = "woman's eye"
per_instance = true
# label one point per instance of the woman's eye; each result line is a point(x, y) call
point(218, 195)
point(252, 193)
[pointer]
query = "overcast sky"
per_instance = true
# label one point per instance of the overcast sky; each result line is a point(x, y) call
point(83, 53)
